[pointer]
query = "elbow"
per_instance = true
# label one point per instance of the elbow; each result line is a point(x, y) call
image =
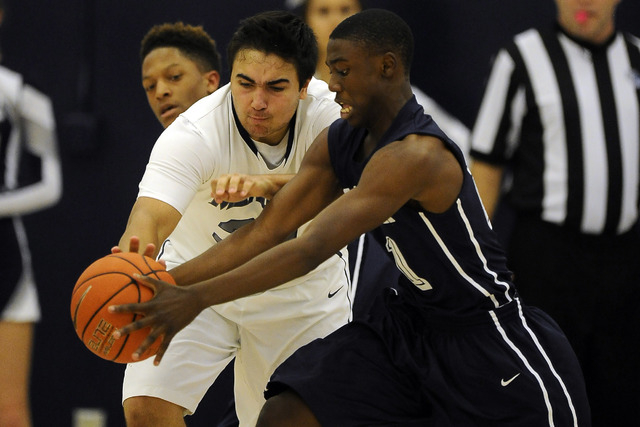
point(311, 253)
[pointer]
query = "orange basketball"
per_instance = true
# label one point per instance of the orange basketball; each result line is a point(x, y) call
point(109, 281)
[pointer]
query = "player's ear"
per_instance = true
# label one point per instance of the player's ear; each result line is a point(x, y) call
point(213, 81)
point(303, 90)
point(388, 64)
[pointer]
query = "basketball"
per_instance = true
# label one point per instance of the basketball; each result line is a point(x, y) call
point(109, 281)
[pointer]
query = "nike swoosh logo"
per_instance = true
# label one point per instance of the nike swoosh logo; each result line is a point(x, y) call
point(332, 294)
point(504, 383)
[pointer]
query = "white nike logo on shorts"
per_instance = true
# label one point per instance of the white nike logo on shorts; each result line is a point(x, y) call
point(504, 383)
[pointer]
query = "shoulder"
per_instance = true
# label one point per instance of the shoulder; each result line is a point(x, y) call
point(10, 84)
point(320, 89)
point(633, 40)
point(216, 104)
point(316, 112)
point(320, 98)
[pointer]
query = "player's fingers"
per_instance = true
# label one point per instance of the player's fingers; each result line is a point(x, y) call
point(127, 308)
point(131, 327)
point(149, 282)
point(116, 250)
point(146, 343)
point(149, 250)
point(166, 340)
point(247, 185)
point(235, 182)
point(134, 244)
point(221, 184)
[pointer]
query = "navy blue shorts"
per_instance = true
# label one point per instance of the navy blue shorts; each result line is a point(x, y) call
point(509, 367)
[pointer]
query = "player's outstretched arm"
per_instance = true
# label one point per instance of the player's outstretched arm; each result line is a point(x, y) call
point(150, 223)
point(172, 308)
point(428, 174)
point(237, 187)
point(293, 206)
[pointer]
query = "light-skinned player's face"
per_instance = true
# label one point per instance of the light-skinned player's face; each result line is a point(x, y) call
point(265, 92)
point(589, 20)
point(173, 82)
point(323, 16)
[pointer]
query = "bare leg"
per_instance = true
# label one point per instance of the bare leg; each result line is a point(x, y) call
point(16, 342)
point(145, 411)
point(286, 409)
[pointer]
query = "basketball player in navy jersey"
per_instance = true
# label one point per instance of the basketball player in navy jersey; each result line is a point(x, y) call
point(452, 344)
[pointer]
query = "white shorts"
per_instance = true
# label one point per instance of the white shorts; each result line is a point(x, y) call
point(260, 331)
point(23, 306)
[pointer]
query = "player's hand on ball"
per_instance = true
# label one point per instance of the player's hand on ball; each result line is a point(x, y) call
point(171, 309)
point(134, 246)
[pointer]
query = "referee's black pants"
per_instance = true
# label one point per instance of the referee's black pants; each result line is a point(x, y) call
point(591, 286)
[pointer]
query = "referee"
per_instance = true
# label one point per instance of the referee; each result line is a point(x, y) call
point(557, 142)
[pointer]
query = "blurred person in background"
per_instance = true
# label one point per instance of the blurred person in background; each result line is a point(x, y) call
point(557, 139)
point(30, 180)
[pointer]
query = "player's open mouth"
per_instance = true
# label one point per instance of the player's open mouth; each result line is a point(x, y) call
point(346, 109)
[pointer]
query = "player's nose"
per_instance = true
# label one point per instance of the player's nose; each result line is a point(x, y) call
point(259, 100)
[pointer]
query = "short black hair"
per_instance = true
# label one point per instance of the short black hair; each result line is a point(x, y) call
point(193, 41)
point(378, 31)
point(280, 33)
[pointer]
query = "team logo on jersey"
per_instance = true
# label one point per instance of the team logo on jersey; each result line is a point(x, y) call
point(245, 202)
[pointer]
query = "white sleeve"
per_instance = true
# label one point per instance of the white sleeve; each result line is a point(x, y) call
point(499, 105)
point(181, 161)
point(454, 128)
point(38, 124)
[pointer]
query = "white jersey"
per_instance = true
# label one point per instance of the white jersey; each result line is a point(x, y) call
point(213, 143)
point(260, 330)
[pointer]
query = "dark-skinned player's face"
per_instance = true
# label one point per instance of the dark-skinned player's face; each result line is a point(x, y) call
point(173, 82)
point(354, 78)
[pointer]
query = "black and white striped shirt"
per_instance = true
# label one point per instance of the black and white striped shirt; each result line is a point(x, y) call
point(565, 116)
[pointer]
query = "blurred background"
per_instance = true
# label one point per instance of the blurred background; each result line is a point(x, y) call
point(84, 55)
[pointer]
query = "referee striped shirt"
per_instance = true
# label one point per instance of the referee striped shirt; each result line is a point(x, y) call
point(564, 116)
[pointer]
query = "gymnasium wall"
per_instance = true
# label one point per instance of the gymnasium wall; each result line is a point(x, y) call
point(84, 54)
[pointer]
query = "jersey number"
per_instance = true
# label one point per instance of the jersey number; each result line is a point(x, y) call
point(403, 266)
point(231, 226)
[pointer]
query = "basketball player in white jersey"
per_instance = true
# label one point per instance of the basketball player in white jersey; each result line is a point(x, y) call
point(30, 181)
point(262, 122)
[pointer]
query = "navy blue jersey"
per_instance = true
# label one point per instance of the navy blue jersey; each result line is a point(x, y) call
point(451, 262)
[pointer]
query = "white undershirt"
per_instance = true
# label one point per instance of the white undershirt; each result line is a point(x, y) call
point(273, 154)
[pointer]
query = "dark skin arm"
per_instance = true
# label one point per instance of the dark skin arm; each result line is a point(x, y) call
point(425, 172)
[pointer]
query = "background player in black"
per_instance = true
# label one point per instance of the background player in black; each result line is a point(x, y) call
point(454, 345)
point(559, 126)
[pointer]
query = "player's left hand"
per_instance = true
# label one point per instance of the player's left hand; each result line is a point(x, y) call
point(237, 187)
point(171, 309)
point(134, 246)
